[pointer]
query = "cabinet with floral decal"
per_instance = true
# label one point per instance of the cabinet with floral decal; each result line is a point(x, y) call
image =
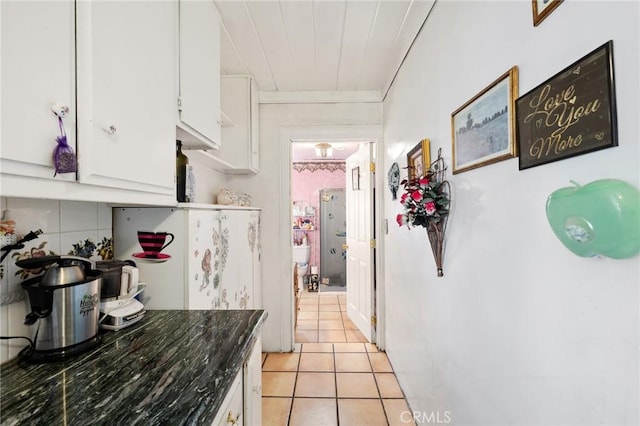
point(241, 280)
point(211, 258)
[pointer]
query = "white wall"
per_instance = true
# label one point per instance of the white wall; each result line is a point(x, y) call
point(277, 121)
point(208, 181)
point(519, 330)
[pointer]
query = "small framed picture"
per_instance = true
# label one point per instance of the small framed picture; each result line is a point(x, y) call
point(482, 130)
point(419, 159)
point(355, 178)
point(542, 9)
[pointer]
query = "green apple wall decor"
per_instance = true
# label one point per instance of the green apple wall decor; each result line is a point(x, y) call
point(599, 218)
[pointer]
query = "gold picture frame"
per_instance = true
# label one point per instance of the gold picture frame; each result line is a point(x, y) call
point(542, 9)
point(483, 129)
point(419, 159)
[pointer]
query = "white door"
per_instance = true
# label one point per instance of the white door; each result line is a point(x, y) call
point(359, 235)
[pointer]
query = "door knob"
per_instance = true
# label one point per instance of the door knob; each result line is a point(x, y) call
point(60, 110)
point(109, 129)
point(345, 247)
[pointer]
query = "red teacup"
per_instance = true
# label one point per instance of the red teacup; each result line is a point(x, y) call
point(153, 243)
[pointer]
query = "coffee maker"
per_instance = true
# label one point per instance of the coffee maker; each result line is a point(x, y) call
point(119, 306)
point(64, 305)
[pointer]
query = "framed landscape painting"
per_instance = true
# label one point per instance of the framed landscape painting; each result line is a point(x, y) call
point(483, 129)
point(542, 9)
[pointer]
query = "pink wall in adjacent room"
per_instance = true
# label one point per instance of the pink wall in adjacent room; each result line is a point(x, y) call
point(305, 187)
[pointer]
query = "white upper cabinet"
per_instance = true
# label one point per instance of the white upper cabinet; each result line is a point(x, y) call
point(239, 101)
point(38, 71)
point(199, 97)
point(240, 150)
point(114, 65)
point(126, 94)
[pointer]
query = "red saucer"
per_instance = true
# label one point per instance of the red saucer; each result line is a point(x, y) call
point(143, 257)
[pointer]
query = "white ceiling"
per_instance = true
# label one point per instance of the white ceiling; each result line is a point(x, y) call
point(315, 45)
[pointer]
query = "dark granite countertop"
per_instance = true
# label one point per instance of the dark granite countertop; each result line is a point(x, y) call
point(173, 367)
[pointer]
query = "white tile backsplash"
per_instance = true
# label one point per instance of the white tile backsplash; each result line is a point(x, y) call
point(105, 243)
point(44, 245)
point(64, 224)
point(17, 312)
point(78, 216)
point(85, 242)
point(4, 331)
point(105, 216)
point(32, 214)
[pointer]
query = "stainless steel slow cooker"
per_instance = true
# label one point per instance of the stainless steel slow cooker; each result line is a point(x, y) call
point(65, 306)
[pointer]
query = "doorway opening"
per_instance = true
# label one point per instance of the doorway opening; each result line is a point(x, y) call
point(321, 183)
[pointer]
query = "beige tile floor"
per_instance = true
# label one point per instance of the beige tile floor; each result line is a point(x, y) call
point(334, 377)
point(322, 317)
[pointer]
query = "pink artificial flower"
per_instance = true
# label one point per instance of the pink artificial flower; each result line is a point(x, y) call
point(416, 195)
point(403, 198)
point(424, 181)
point(430, 207)
point(401, 219)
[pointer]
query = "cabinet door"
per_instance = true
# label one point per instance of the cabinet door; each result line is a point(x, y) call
point(200, 73)
point(253, 386)
point(203, 257)
point(126, 67)
point(236, 290)
point(255, 244)
point(38, 71)
point(239, 101)
point(231, 412)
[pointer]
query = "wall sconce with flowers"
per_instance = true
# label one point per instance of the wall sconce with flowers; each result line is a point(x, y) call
point(426, 200)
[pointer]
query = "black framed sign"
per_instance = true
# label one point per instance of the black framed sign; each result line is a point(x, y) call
point(572, 113)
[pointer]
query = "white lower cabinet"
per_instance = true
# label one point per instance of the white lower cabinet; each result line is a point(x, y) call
point(243, 403)
point(230, 412)
point(253, 386)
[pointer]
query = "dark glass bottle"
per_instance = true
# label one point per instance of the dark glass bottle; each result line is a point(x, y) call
point(181, 173)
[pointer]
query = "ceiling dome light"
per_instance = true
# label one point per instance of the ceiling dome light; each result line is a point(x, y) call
point(324, 150)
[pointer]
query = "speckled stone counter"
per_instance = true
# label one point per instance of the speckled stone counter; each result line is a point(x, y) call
point(172, 368)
